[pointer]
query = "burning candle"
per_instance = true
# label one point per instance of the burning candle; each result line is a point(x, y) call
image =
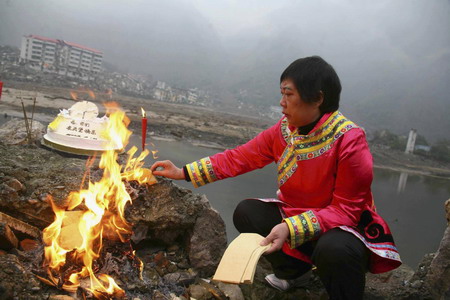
point(144, 128)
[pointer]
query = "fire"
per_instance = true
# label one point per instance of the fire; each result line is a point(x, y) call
point(154, 152)
point(77, 233)
point(91, 93)
point(74, 95)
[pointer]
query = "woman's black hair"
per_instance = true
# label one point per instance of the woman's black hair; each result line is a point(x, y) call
point(312, 75)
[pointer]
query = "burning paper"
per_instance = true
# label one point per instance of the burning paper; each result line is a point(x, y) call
point(76, 236)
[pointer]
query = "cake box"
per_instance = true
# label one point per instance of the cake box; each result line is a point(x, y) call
point(79, 130)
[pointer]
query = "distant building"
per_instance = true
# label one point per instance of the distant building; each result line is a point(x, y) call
point(192, 95)
point(60, 56)
point(161, 85)
point(422, 148)
point(411, 141)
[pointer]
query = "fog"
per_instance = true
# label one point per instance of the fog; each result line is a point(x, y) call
point(393, 56)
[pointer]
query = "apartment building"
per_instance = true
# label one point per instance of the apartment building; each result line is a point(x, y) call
point(60, 56)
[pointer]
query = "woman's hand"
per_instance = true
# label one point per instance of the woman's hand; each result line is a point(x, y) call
point(277, 236)
point(169, 170)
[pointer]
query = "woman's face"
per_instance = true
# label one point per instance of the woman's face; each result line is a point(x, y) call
point(297, 112)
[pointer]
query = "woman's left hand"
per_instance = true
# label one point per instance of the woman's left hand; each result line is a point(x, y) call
point(277, 236)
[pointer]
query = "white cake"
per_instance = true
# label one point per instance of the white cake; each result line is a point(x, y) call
point(79, 130)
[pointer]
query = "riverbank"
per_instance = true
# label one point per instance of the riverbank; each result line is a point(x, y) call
point(200, 126)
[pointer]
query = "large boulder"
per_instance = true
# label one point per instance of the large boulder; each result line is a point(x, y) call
point(438, 277)
point(16, 281)
point(29, 174)
point(208, 242)
point(171, 214)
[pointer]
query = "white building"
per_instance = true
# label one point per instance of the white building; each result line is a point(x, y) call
point(60, 56)
point(411, 141)
point(38, 49)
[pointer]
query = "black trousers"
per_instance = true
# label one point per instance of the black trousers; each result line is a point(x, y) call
point(340, 257)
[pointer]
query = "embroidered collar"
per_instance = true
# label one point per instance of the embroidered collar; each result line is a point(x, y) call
point(302, 147)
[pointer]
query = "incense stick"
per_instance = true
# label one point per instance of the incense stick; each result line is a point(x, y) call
point(27, 126)
point(32, 113)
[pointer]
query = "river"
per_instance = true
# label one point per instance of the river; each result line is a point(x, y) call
point(412, 205)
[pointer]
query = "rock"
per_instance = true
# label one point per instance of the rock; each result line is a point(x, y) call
point(171, 214)
point(60, 297)
point(29, 245)
point(183, 264)
point(8, 194)
point(161, 260)
point(153, 276)
point(14, 132)
point(29, 173)
point(172, 268)
point(173, 248)
point(447, 211)
point(385, 285)
point(15, 184)
point(208, 242)
point(175, 297)
point(212, 289)
point(261, 290)
point(438, 277)
point(180, 278)
point(232, 291)
point(169, 217)
point(157, 295)
point(416, 284)
point(167, 210)
point(430, 281)
point(199, 292)
point(16, 282)
point(8, 239)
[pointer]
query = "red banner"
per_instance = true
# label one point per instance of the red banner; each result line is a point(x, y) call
point(1, 88)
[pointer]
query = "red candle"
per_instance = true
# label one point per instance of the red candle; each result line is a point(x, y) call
point(144, 128)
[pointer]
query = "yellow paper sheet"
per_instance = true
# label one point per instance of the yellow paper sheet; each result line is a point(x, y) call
point(239, 261)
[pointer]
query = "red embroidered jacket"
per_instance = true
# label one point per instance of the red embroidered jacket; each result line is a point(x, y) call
point(324, 183)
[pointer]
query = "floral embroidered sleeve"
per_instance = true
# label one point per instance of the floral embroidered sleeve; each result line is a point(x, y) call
point(302, 228)
point(255, 154)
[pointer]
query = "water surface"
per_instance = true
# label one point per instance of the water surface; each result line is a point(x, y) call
point(414, 210)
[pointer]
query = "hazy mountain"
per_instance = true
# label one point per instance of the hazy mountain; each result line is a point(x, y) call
point(394, 67)
point(393, 57)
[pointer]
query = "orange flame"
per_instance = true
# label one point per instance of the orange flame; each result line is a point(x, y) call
point(91, 93)
point(74, 95)
point(143, 113)
point(154, 152)
point(94, 213)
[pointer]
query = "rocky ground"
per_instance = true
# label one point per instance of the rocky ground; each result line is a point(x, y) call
point(173, 235)
point(198, 125)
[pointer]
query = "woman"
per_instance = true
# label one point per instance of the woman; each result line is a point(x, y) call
point(324, 213)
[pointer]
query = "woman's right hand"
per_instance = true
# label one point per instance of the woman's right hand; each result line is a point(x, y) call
point(169, 170)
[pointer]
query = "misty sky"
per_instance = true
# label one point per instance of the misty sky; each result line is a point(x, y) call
point(387, 52)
